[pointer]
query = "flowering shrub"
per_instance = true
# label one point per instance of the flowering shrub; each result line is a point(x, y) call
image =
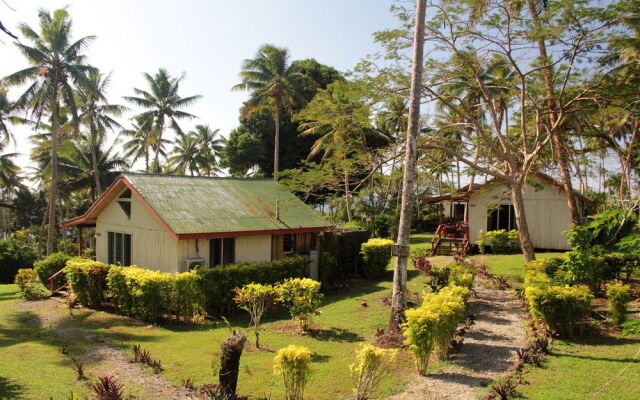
point(293, 364)
point(302, 296)
point(618, 295)
point(256, 299)
point(371, 365)
point(376, 254)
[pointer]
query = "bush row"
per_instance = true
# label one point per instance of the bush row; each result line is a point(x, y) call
point(217, 284)
point(14, 255)
point(432, 325)
point(88, 281)
point(148, 294)
point(501, 241)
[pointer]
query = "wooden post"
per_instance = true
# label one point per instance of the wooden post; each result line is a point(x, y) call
point(230, 364)
point(80, 241)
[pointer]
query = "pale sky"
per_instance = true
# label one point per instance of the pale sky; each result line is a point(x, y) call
point(207, 40)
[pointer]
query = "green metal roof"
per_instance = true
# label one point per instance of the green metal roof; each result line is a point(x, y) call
point(210, 205)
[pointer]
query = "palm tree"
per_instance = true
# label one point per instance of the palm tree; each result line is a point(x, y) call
point(10, 181)
point(211, 145)
point(56, 65)
point(97, 115)
point(162, 103)
point(187, 156)
point(6, 111)
point(140, 142)
point(275, 82)
point(76, 166)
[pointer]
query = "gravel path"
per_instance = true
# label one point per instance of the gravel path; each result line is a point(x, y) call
point(489, 349)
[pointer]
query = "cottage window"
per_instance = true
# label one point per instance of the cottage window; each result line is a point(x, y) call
point(222, 251)
point(502, 217)
point(119, 248)
point(288, 243)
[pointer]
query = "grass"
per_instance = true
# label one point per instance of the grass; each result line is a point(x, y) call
point(31, 352)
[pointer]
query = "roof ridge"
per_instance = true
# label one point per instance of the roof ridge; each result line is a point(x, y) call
point(122, 174)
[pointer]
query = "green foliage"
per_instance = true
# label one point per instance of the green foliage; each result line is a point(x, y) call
point(14, 255)
point(371, 365)
point(302, 296)
point(432, 325)
point(148, 294)
point(618, 295)
point(49, 266)
point(376, 254)
point(482, 241)
point(218, 283)
point(293, 364)
point(382, 224)
point(35, 291)
point(88, 281)
point(503, 241)
point(355, 224)
point(256, 299)
point(24, 277)
point(562, 308)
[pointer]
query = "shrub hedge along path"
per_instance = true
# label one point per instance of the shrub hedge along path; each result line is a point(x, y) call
point(488, 351)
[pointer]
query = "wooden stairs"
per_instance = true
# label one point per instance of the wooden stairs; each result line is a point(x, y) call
point(451, 239)
point(61, 293)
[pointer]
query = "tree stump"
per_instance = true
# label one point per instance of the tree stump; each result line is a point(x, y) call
point(230, 363)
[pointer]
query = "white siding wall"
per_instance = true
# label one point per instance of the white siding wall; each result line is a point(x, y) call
point(248, 249)
point(546, 208)
point(151, 245)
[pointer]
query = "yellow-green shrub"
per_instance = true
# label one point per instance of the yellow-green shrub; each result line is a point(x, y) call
point(49, 265)
point(148, 294)
point(24, 277)
point(302, 296)
point(376, 254)
point(371, 365)
point(535, 275)
point(432, 325)
point(619, 295)
point(293, 364)
point(561, 307)
point(88, 281)
point(459, 291)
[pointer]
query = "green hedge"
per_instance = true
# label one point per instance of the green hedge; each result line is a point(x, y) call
point(49, 266)
point(88, 281)
point(503, 241)
point(619, 295)
point(147, 294)
point(217, 283)
point(560, 307)
point(14, 255)
point(376, 254)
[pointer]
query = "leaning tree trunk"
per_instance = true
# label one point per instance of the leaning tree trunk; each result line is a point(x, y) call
point(156, 161)
point(558, 143)
point(398, 299)
point(276, 143)
point(53, 192)
point(521, 218)
point(230, 364)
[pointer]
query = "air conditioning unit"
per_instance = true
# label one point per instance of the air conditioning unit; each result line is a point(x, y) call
point(190, 263)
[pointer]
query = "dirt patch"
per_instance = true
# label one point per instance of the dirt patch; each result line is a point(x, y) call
point(489, 349)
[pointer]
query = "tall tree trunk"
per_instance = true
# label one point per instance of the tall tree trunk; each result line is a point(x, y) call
point(558, 143)
point(94, 162)
point(156, 161)
point(347, 196)
point(521, 219)
point(398, 299)
point(276, 143)
point(53, 192)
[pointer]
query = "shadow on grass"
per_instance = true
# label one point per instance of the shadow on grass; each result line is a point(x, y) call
point(335, 335)
point(319, 358)
point(10, 389)
point(9, 295)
